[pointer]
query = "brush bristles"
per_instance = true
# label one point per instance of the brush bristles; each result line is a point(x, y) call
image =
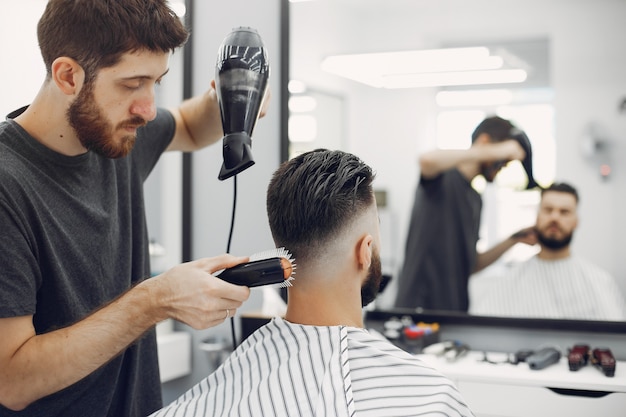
point(272, 253)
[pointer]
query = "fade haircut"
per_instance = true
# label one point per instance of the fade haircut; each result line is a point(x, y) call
point(96, 33)
point(313, 196)
point(498, 128)
point(562, 187)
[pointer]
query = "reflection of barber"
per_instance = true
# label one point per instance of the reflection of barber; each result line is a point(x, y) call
point(441, 244)
point(554, 284)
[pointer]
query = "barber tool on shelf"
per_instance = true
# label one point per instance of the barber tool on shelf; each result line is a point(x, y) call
point(543, 358)
point(578, 356)
point(408, 335)
point(604, 360)
point(275, 266)
point(521, 356)
point(449, 349)
point(242, 74)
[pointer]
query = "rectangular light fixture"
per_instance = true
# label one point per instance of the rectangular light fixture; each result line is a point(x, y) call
point(493, 97)
point(474, 98)
point(425, 68)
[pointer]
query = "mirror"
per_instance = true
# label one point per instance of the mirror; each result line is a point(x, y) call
point(573, 83)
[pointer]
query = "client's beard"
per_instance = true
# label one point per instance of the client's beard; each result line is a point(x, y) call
point(371, 286)
point(554, 243)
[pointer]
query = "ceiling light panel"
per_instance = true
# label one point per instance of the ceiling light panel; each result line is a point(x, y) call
point(425, 68)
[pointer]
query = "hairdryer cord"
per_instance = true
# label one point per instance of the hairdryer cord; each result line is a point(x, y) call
point(230, 236)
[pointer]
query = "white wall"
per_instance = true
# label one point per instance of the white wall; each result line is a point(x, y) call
point(388, 127)
point(22, 71)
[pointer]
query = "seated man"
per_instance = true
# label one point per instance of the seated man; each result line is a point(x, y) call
point(554, 283)
point(319, 360)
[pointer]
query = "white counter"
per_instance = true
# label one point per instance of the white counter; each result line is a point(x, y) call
point(508, 390)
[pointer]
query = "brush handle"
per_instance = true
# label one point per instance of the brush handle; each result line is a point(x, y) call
point(257, 273)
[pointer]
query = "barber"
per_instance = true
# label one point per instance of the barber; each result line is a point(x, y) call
point(77, 315)
point(440, 253)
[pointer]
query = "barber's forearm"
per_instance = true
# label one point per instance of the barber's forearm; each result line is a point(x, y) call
point(438, 161)
point(198, 123)
point(488, 257)
point(50, 362)
point(32, 367)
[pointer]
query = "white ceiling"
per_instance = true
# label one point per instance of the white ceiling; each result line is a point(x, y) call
point(326, 27)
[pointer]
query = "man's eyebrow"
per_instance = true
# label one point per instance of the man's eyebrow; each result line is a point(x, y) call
point(145, 77)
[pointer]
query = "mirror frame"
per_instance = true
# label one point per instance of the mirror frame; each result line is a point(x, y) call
point(430, 316)
point(457, 318)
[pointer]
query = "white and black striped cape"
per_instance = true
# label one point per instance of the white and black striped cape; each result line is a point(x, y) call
point(571, 288)
point(286, 369)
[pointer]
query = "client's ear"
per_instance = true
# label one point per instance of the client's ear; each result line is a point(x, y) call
point(364, 251)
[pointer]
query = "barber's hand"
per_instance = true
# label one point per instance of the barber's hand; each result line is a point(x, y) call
point(191, 294)
point(508, 150)
point(527, 235)
point(266, 103)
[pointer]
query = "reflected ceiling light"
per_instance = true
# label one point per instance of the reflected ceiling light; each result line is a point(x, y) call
point(302, 104)
point(296, 87)
point(474, 98)
point(493, 97)
point(425, 68)
point(441, 79)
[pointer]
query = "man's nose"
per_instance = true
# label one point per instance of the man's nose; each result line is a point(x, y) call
point(555, 216)
point(145, 107)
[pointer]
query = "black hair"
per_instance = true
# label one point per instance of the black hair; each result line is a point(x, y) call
point(496, 127)
point(562, 187)
point(311, 197)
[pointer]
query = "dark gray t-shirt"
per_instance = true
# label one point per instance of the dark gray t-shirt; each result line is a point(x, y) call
point(440, 252)
point(74, 238)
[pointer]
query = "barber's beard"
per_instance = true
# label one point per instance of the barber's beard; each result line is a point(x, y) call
point(490, 170)
point(371, 286)
point(94, 131)
point(554, 243)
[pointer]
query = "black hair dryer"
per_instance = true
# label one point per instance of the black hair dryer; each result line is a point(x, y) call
point(242, 74)
point(520, 136)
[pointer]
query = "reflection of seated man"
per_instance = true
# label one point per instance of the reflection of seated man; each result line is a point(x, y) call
point(319, 360)
point(554, 284)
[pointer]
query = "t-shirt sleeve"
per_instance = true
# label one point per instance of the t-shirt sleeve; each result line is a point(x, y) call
point(20, 275)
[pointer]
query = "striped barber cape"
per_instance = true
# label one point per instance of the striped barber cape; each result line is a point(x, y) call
point(286, 369)
point(570, 288)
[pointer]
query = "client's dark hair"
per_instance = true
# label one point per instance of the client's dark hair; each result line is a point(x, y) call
point(562, 187)
point(311, 197)
point(498, 128)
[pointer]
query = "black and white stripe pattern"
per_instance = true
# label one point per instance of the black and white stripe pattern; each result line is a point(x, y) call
point(286, 369)
point(570, 288)
point(387, 381)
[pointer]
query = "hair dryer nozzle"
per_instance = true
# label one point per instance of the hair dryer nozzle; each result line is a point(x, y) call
point(237, 154)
